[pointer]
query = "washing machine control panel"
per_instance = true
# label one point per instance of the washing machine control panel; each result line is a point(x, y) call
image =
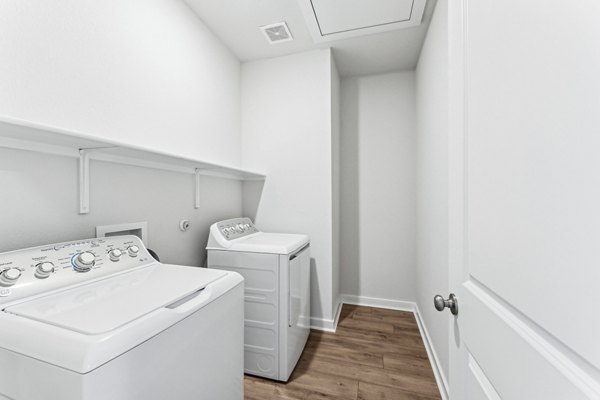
point(38, 270)
point(236, 228)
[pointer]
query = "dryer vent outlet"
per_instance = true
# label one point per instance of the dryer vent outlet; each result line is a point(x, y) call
point(277, 33)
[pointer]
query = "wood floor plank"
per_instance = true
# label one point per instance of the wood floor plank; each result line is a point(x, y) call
point(406, 329)
point(368, 391)
point(340, 352)
point(375, 354)
point(399, 339)
point(371, 313)
point(374, 315)
point(348, 310)
point(408, 364)
point(371, 325)
point(311, 380)
point(380, 376)
point(263, 389)
point(370, 346)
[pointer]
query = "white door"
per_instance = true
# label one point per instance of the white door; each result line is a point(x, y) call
point(525, 199)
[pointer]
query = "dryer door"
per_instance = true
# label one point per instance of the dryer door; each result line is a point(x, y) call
point(299, 295)
point(298, 323)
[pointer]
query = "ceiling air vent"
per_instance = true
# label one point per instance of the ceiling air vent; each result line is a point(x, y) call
point(277, 33)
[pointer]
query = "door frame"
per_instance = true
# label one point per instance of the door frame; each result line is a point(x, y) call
point(457, 153)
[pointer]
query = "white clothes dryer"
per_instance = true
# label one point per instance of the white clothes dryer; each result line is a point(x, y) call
point(100, 319)
point(276, 270)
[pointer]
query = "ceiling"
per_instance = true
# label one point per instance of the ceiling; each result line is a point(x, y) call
point(237, 22)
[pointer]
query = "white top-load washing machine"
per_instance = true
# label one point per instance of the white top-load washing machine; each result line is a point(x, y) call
point(276, 270)
point(100, 319)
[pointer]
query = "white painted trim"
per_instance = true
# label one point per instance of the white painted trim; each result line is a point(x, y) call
point(338, 311)
point(378, 302)
point(327, 325)
point(483, 381)
point(321, 324)
point(440, 378)
point(198, 195)
point(582, 374)
point(84, 181)
point(456, 185)
point(46, 148)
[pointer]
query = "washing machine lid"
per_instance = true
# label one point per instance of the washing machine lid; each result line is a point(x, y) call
point(108, 304)
point(273, 243)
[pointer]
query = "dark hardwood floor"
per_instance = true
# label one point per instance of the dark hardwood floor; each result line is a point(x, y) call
point(375, 354)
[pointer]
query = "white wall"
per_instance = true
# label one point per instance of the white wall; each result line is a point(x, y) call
point(287, 133)
point(432, 181)
point(378, 187)
point(144, 72)
point(39, 204)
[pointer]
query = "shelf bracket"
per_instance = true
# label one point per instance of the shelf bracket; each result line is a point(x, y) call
point(84, 181)
point(197, 173)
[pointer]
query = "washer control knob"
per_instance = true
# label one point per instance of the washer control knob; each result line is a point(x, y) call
point(133, 251)
point(84, 261)
point(44, 269)
point(9, 276)
point(115, 254)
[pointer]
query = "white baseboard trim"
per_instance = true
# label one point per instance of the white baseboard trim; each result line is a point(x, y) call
point(322, 324)
point(338, 311)
point(440, 378)
point(327, 325)
point(378, 302)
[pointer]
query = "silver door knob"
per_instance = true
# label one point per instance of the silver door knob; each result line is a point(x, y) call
point(451, 303)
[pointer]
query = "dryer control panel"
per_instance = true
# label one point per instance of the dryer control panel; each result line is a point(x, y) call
point(236, 228)
point(37, 270)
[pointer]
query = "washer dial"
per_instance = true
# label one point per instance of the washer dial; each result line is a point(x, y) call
point(44, 269)
point(133, 251)
point(9, 276)
point(115, 254)
point(84, 261)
